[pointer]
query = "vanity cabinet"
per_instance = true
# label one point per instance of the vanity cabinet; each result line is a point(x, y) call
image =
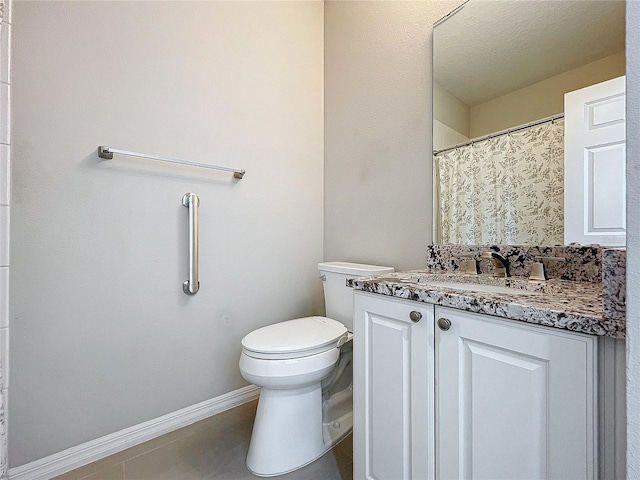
point(460, 395)
point(514, 401)
point(392, 388)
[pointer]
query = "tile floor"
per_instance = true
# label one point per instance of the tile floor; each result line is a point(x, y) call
point(214, 448)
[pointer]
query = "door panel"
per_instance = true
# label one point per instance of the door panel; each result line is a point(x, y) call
point(498, 383)
point(388, 396)
point(393, 391)
point(605, 195)
point(514, 401)
point(595, 158)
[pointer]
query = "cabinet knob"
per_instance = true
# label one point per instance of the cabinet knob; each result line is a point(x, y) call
point(444, 324)
point(415, 316)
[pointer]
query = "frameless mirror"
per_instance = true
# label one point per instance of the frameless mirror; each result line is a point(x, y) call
point(501, 70)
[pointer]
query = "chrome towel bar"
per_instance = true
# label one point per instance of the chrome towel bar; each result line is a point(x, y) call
point(191, 286)
point(107, 152)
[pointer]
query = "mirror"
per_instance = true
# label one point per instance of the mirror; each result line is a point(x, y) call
point(499, 66)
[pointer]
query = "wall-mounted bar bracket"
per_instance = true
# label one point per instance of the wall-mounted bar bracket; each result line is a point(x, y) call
point(103, 152)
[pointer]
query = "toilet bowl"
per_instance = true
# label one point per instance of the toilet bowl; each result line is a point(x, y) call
point(289, 360)
point(292, 354)
point(303, 367)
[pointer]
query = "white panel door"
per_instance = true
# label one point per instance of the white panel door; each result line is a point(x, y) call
point(514, 401)
point(594, 179)
point(393, 391)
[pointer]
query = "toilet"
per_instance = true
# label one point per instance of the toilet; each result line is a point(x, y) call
point(303, 367)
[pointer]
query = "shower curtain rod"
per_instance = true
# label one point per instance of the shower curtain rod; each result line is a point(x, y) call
point(107, 152)
point(503, 132)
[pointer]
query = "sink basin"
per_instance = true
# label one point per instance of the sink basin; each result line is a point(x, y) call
point(489, 285)
point(479, 287)
point(395, 279)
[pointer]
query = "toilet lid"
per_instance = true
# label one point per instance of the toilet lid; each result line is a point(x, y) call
point(295, 336)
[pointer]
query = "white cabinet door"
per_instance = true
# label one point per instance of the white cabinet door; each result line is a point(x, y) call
point(393, 392)
point(514, 401)
point(594, 178)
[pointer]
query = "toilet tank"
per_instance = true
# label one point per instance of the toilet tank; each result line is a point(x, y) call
point(338, 298)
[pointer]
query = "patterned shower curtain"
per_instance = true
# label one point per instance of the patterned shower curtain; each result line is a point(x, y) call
point(504, 190)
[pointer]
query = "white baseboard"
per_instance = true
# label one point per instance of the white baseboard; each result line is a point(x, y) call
point(102, 447)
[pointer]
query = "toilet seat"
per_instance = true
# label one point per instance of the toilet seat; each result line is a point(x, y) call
point(298, 338)
point(287, 373)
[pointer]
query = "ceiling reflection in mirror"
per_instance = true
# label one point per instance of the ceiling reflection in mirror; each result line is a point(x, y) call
point(500, 73)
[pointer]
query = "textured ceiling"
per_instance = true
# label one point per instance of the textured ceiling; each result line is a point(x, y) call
point(491, 47)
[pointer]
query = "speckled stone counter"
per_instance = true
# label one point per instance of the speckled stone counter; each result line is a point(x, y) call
point(614, 283)
point(570, 305)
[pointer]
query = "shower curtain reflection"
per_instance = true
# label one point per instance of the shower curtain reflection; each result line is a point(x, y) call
point(505, 190)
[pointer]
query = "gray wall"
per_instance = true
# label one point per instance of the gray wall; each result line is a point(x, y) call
point(102, 336)
point(633, 239)
point(378, 195)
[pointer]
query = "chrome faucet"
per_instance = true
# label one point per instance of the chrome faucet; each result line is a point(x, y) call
point(500, 263)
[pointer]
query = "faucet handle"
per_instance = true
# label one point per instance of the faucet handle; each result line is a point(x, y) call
point(537, 269)
point(471, 267)
point(537, 272)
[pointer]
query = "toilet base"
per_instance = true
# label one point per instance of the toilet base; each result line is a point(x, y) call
point(290, 432)
point(337, 417)
point(287, 431)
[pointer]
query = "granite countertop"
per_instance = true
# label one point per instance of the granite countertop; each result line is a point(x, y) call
point(570, 305)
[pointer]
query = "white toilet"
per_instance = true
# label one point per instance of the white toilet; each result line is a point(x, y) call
point(304, 369)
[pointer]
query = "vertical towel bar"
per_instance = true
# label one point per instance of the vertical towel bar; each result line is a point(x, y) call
point(191, 286)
